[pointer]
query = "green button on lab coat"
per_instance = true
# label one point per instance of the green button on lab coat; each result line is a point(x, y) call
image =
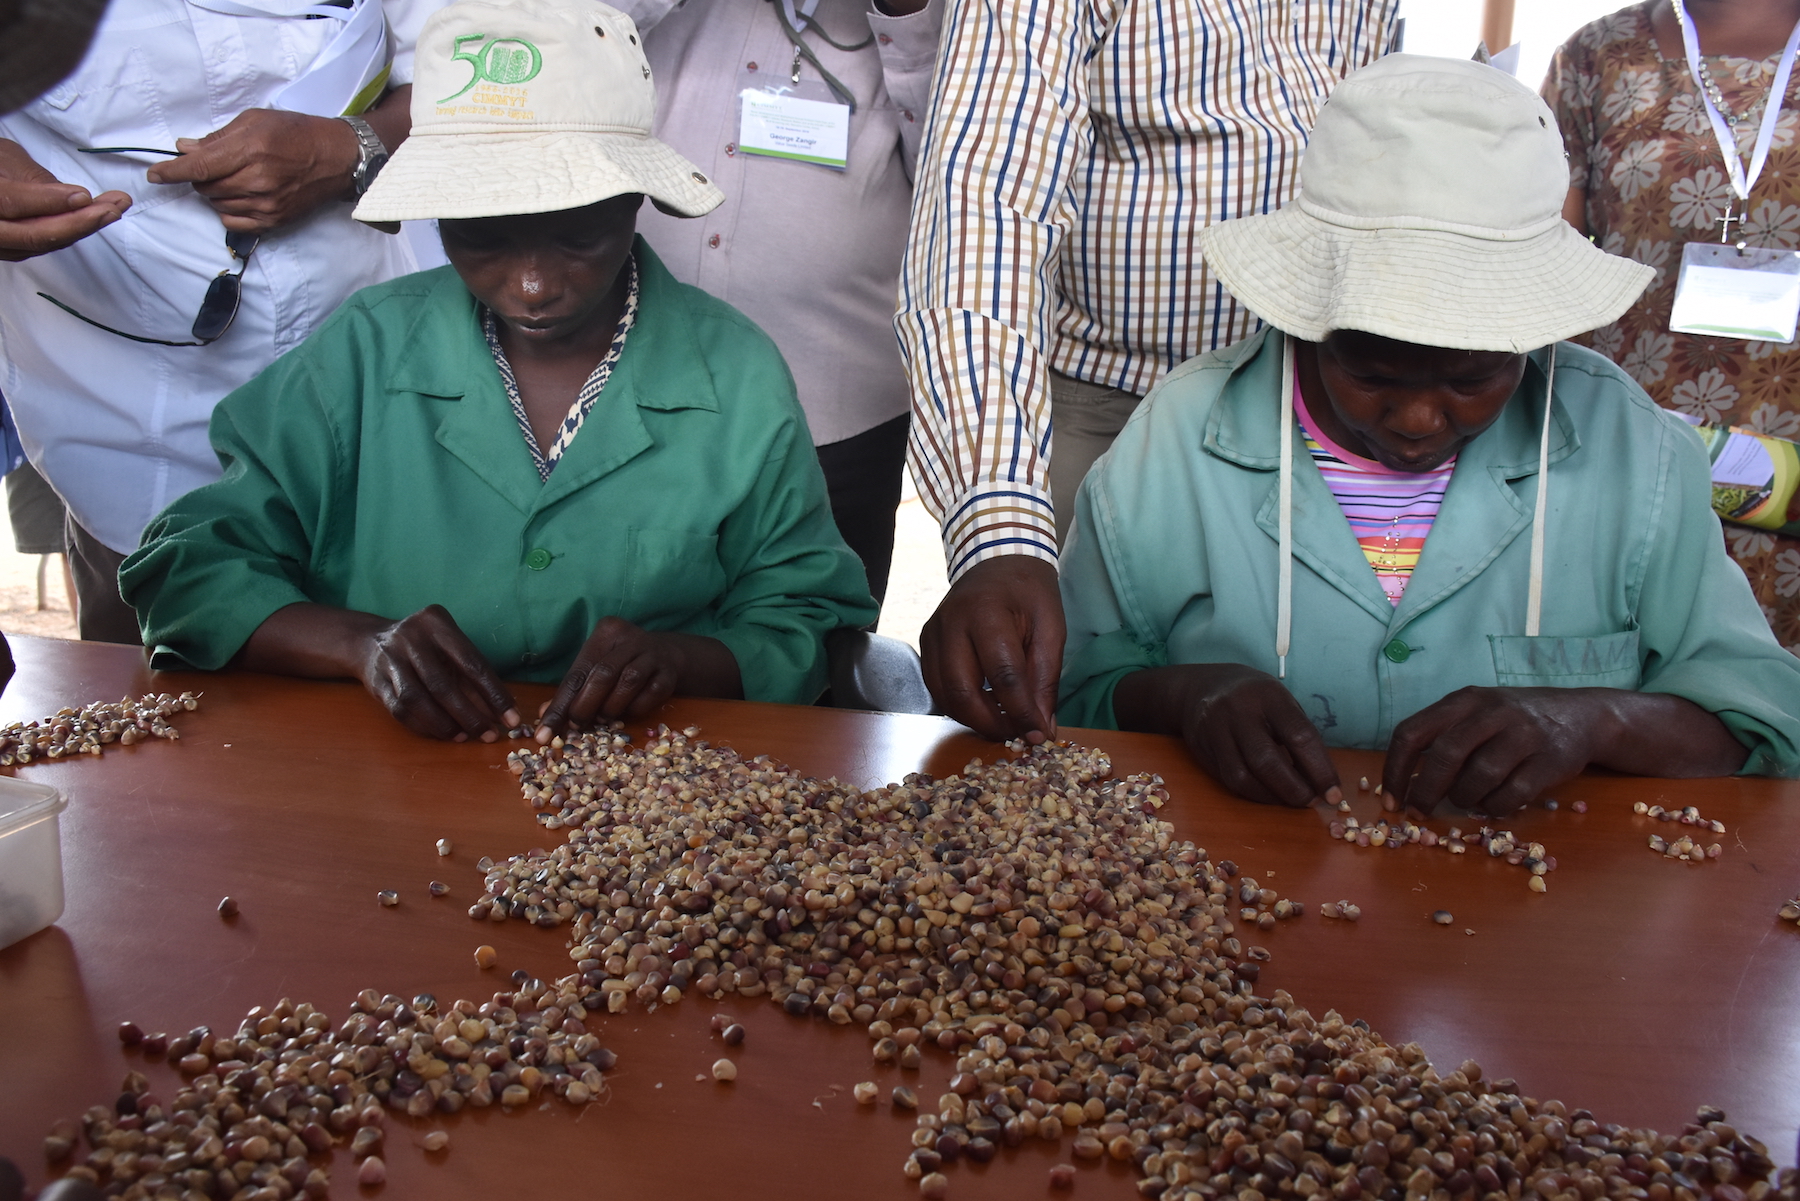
point(379, 467)
point(1173, 559)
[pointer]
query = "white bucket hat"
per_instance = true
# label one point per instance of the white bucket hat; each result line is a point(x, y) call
point(1430, 211)
point(531, 106)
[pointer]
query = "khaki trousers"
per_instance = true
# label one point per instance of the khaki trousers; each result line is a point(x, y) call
point(1085, 418)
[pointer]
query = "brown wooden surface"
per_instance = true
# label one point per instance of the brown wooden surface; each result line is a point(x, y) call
point(1636, 987)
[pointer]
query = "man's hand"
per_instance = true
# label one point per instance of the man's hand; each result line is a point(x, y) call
point(431, 677)
point(266, 169)
point(1002, 622)
point(624, 671)
point(1242, 725)
point(1494, 750)
point(39, 213)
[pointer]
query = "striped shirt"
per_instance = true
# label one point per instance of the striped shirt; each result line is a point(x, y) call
point(1074, 151)
point(1390, 512)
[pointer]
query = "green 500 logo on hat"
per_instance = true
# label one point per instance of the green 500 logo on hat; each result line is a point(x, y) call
point(548, 105)
point(502, 61)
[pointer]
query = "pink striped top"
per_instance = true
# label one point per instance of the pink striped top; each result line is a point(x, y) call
point(1390, 512)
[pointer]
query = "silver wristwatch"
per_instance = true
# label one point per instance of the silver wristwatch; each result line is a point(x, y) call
point(373, 156)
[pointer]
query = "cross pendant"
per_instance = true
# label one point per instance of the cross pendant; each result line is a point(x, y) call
point(1725, 224)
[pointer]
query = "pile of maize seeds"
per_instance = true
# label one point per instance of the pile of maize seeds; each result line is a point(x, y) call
point(257, 1114)
point(90, 729)
point(1035, 920)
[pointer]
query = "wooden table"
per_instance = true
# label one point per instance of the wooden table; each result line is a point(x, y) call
point(1636, 987)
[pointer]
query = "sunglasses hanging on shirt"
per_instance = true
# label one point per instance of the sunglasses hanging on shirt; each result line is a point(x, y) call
point(217, 311)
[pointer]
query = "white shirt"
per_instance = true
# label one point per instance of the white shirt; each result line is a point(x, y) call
point(118, 427)
point(810, 254)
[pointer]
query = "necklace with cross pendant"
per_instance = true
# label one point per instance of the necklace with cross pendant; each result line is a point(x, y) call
point(1725, 224)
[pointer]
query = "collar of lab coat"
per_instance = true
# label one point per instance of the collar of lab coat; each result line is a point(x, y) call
point(1483, 509)
point(447, 357)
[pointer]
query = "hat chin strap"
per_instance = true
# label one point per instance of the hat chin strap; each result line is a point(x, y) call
point(1534, 594)
point(1284, 601)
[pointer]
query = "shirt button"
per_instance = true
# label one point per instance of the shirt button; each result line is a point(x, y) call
point(750, 66)
point(531, 656)
point(885, 40)
point(713, 241)
point(538, 559)
point(730, 149)
point(906, 114)
point(1397, 651)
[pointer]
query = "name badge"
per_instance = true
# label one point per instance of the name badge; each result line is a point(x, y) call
point(803, 122)
point(1732, 293)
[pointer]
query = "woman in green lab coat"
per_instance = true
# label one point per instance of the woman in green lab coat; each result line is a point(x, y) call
point(1379, 524)
point(548, 461)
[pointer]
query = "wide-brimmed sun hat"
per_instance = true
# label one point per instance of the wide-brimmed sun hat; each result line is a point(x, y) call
point(1430, 211)
point(531, 106)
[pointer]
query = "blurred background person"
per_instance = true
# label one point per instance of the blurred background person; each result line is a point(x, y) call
point(153, 269)
point(809, 240)
point(1648, 175)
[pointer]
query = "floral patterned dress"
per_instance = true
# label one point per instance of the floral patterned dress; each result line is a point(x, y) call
point(1640, 143)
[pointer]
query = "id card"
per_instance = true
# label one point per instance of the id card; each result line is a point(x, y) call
point(802, 121)
point(1732, 293)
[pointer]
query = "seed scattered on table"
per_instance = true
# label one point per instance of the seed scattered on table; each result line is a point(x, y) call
point(228, 908)
point(1536, 884)
point(865, 1092)
point(904, 1098)
point(1790, 912)
point(1063, 1174)
point(437, 888)
point(388, 897)
point(732, 1035)
point(443, 846)
point(723, 1070)
point(1579, 807)
point(92, 728)
point(371, 1172)
point(1443, 917)
point(437, 1140)
point(486, 957)
point(934, 1184)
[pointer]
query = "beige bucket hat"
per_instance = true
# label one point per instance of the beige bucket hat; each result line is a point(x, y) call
point(531, 106)
point(1430, 211)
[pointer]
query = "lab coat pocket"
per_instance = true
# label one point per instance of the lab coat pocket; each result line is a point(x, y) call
point(1549, 661)
point(675, 575)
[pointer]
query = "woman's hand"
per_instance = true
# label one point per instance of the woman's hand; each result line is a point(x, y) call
point(431, 677)
point(423, 667)
point(625, 671)
point(1242, 725)
point(1493, 750)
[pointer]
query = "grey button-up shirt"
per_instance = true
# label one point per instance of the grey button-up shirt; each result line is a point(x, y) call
point(810, 254)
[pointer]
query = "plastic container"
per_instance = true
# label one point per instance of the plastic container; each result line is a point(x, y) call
point(31, 878)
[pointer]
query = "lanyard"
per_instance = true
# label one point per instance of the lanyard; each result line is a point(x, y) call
point(793, 24)
point(1741, 182)
point(800, 19)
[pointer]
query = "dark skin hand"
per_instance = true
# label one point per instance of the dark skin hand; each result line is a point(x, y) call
point(39, 213)
point(1240, 724)
point(1002, 621)
point(1752, 29)
point(266, 169)
point(1489, 750)
point(557, 285)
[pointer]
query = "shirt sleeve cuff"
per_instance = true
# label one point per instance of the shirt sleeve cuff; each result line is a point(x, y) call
point(999, 519)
